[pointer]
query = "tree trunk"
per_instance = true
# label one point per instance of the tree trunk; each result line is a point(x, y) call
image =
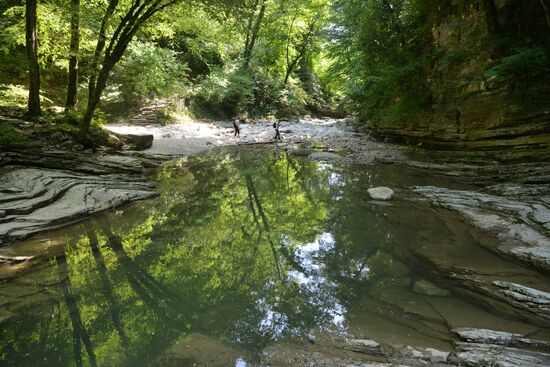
point(250, 24)
point(301, 50)
point(135, 16)
point(254, 35)
point(545, 8)
point(72, 87)
point(491, 13)
point(32, 58)
point(102, 40)
point(94, 100)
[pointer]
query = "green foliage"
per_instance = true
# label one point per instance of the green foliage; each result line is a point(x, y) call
point(12, 27)
point(193, 42)
point(219, 94)
point(455, 58)
point(8, 135)
point(381, 57)
point(164, 116)
point(13, 95)
point(244, 92)
point(147, 72)
point(520, 68)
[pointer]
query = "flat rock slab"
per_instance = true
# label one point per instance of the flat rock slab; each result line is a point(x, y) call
point(72, 161)
point(519, 223)
point(474, 354)
point(534, 300)
point(47, 199)
point(380, 193)
point(486, 336)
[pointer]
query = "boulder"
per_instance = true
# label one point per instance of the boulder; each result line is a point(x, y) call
point(380, 193)
point(437, 356)
point(135, 141)
point(138, 141)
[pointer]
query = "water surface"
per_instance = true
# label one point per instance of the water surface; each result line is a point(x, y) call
point(243, 250)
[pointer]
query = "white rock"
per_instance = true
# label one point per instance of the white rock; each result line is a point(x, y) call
point(380, 193)
point(437, 356)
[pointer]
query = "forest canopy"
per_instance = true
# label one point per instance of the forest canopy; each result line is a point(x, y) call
point(378, 59)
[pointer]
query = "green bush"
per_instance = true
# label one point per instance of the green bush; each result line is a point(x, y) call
point(12, 95)
point(147, 72)
point(520, 69)
point(246, 93)
point(8, 135)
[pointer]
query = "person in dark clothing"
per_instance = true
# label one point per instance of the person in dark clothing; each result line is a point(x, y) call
point(276, 126)
point(236, 126)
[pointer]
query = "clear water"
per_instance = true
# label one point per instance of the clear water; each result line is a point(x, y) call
point(242, 252)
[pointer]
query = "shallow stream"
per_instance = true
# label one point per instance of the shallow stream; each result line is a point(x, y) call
point(244, 252)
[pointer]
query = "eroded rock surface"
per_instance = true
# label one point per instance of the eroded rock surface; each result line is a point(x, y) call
point(473, 347)
point(519, 222)
point(38, 199)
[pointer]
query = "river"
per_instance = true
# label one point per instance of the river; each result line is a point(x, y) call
point(250, 256)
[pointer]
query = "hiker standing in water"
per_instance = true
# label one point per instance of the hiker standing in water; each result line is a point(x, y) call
point(276, 126)
point(236, 126)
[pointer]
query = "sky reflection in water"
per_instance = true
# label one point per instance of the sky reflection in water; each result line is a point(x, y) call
point(239, 252)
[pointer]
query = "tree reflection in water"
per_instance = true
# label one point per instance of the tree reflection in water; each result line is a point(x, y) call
point(242, 247)
point(211, 255)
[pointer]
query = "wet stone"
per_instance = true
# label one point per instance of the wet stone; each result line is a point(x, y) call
point(473, 354)
point(429, 289)
point(49, 198)
point(509, 220)
point(380, 193)
point(487, 336)
point(364, 346)
point(301, 152)
point(533, 299)
point(437, 356)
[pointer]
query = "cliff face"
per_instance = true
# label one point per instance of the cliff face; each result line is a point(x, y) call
point(489, 91)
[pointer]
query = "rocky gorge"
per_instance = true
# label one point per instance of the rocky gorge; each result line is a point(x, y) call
point(483, 96)
point(508, 203)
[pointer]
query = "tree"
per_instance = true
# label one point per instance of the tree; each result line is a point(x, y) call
point(383, 51)
point(491, 13)
point(31, 43)
point(72, 88)
point(301, 49)
point(546, 14)
point(253, 31)
point(138, 13)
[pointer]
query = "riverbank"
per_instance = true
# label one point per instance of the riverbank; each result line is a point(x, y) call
point(50, 183)
point(504, 209)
